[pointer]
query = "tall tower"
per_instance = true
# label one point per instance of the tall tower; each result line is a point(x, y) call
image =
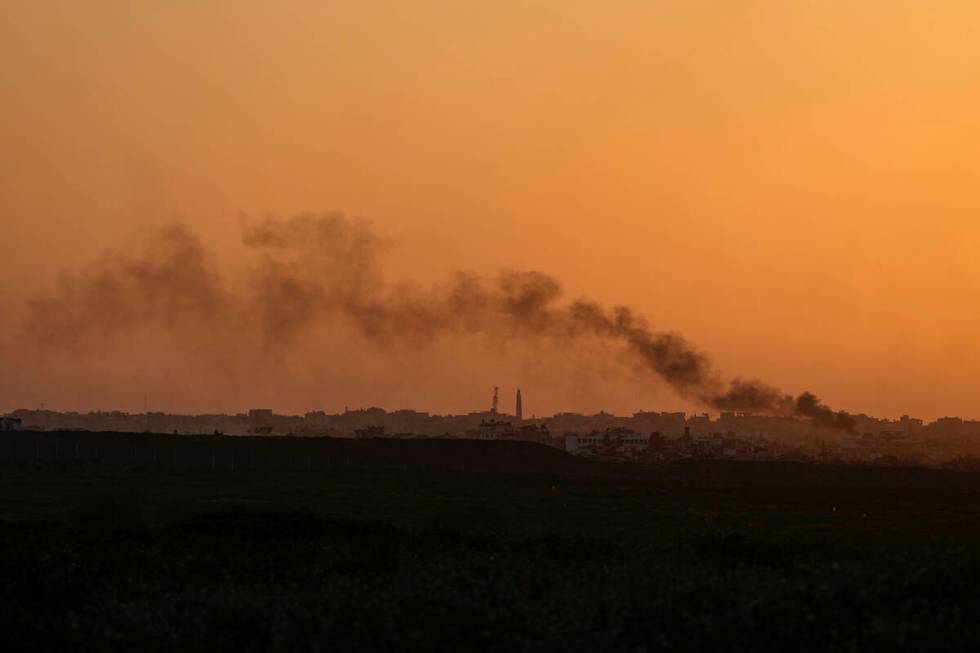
point(519, 409)
point(493, 410)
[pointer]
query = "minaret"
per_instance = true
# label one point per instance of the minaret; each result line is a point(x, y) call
point(519, 410)
point(493, 410)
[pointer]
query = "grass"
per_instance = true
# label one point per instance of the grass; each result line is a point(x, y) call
point(687, 557)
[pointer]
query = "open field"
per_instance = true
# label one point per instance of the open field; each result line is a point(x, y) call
point(464, 545)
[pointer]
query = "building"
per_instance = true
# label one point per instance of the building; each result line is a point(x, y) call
point(612, 441)
point(494, 430)
point(707, 446)
point(533, 433)
point(10, 424)
point(700, 424)
point(370, 432)
point(519, 407)
point(586, 444)
point(261, 421)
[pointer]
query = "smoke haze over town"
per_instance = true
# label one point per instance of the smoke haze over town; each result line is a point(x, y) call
point(812, 229)
point(310, 271)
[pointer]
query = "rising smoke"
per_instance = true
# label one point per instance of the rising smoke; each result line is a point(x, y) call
point(309, 269)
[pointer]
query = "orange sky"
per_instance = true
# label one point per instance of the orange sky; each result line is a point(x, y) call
point(793, 185)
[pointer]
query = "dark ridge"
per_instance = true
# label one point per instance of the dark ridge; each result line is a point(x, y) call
point(224, 453)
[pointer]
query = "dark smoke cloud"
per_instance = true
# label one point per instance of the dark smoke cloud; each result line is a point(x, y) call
point(752, 397)
point(171, 281)
point(311, 269)
point(808, 405)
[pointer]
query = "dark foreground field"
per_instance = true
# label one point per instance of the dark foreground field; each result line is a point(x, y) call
point(475, 546)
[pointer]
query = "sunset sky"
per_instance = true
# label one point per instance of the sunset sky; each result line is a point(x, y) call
point(794, 186)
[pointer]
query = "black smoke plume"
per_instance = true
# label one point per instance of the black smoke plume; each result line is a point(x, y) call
point(311, 269)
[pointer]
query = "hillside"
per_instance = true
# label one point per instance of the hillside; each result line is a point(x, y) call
point(287, 453)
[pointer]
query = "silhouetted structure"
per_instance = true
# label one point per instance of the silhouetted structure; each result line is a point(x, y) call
point(518, 408)
point(615, 441)
point(494, 430)
point(735, 434)
point(370, 432)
